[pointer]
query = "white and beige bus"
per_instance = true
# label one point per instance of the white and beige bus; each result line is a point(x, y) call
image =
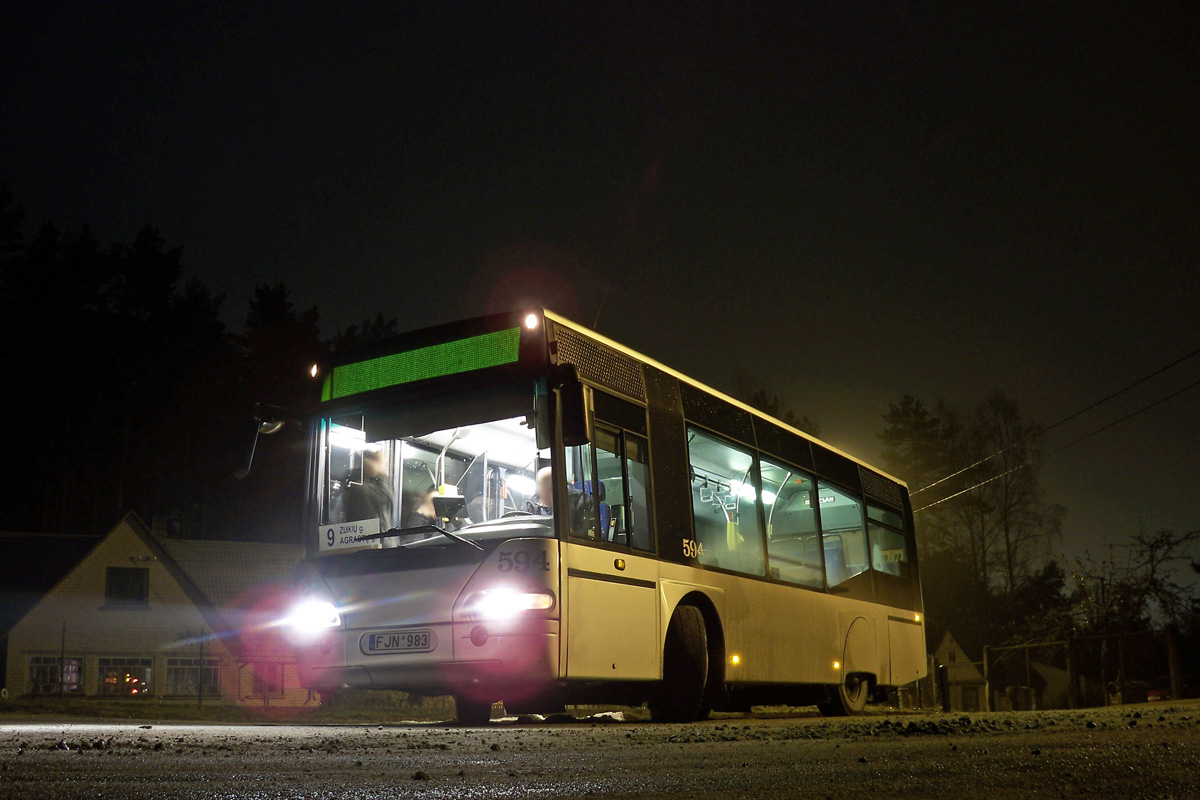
point(517, 509)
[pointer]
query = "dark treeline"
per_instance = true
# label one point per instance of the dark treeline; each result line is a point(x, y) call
point(127, 392)
point(987, 535)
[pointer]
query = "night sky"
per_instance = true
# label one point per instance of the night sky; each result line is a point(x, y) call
point(854, 201)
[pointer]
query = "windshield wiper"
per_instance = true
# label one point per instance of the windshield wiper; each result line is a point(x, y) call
point(422, 529)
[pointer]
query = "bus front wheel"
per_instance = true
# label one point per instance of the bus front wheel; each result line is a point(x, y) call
point(685, 668)
point(849, 698)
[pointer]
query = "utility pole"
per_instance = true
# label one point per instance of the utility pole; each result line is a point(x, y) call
point(200, 674)
point(62, 662)
point(1174, 663)
point(987, 686)
point(1072, 675)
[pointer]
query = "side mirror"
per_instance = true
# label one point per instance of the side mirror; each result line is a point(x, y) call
point(543, 421)
point(573, 413)
point(569, 406)
point(267, 420)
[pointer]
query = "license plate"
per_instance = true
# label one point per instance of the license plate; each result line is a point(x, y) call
point(410, 641)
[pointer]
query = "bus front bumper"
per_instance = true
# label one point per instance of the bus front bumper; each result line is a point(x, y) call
point(466, 654)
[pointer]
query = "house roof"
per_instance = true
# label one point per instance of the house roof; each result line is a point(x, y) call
point(32, 564)
point(235, 575)
point(971, 639)
point(244, 583)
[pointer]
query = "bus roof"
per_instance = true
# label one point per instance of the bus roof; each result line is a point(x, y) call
point(561, 320)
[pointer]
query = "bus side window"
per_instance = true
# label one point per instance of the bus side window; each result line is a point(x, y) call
point(637, 468)
point(581, 491)
point(724, 510)
point(622, 467)
point(793, 547)
point(844, 538)
point(889, 558)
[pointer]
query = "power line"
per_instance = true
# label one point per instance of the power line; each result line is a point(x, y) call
point(1071, 443)
point(1146, 407)
point(1065, 419)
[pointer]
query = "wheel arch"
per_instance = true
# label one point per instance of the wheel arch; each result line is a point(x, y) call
point(860, 654)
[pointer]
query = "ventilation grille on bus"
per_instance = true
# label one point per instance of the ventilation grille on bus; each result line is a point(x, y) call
point(881, 488)
point(601, 364)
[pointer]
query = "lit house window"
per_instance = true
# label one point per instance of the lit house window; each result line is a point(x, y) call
point(47, 677)
point(185, 676)
point(126, 677)
point(267, 679)
point(126, 586)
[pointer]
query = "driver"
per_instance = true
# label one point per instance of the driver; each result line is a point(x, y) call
point(541, 503)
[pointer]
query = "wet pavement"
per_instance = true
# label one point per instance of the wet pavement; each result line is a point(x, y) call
point(1136, 752)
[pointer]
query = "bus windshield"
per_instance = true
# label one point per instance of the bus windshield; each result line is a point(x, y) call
point(456, 479)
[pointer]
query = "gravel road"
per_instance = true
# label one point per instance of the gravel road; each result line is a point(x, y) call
point(1149, 751)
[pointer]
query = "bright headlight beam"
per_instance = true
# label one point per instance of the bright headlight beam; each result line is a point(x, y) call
point(503, 603)
point(314, 615)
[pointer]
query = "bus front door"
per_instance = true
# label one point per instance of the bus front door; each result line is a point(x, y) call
point(612, 615)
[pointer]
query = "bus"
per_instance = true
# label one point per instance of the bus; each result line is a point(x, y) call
point(517, 509)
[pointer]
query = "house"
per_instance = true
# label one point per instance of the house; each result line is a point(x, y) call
point(30, 565)
point(964, 683)
point(175, 620)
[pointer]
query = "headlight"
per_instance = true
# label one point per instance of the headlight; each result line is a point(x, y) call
point(503, 603)
point(313, 616)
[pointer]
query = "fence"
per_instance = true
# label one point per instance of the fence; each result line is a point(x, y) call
point(1083, 671)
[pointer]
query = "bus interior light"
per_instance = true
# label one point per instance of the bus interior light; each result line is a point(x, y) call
point(531, 321)
point(521, 484)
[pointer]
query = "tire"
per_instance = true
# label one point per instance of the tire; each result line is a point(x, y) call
point(685, 668)
point(470, 711)
point(849, 698)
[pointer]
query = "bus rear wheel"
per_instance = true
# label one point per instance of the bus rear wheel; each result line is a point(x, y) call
point(849, 698)
point(470, 711)
point(685, 668)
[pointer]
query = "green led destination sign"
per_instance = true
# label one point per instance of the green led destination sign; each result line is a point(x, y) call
point(434, 361)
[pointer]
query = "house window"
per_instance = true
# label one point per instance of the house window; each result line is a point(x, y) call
point(185, 676)
point(126, 586)
point(953, 656)
point(46, 676)
point(126, 677)
point(267, 680)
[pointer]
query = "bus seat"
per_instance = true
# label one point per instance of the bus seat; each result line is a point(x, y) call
point(835, 561)
point(602, 509)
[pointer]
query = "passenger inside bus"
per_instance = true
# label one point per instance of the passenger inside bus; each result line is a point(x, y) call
point(372, 498)
point(420, 510)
